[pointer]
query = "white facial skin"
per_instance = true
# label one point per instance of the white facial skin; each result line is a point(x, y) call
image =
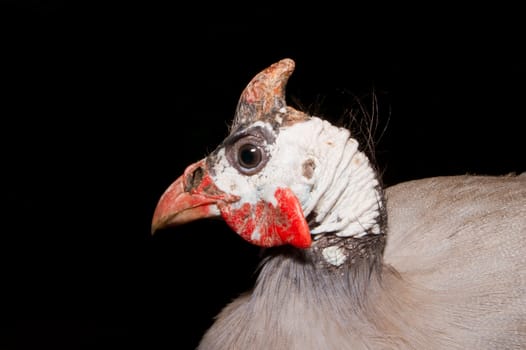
point(294, 145)
point(322, 166)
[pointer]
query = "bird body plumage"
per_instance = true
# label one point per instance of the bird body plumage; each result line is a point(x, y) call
point(452, 277)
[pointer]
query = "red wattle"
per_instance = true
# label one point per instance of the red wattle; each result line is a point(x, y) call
point(266, 225)
point(292, 228)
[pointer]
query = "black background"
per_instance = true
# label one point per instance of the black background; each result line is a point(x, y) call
point(104, 105)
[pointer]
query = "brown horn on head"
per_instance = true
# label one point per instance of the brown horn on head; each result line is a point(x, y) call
point(265, 95)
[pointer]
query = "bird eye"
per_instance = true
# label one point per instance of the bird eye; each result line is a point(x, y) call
point(248, 150)
point(249, 156)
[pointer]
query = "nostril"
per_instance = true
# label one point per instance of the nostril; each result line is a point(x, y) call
point(193, 179)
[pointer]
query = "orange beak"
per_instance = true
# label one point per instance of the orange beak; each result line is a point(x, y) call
point(191, 197)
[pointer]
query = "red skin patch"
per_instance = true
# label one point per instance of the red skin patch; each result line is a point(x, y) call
point(189, 199)
point(277, 225)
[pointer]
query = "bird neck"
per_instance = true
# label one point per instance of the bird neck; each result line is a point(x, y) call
point(346, 210)
point(348, 222)
point(286, 268)
point(303, 277)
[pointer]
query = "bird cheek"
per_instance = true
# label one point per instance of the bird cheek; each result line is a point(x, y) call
point(267, 225)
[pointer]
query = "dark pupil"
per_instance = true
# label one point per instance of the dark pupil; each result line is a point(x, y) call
point(249, 156)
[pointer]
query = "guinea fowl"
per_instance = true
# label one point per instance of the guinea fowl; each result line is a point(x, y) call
point(436, 263)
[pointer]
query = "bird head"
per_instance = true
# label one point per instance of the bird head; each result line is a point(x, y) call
point(277, 167)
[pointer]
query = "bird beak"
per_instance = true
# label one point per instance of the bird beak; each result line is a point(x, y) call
point(195, 196)
point(191, 197)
